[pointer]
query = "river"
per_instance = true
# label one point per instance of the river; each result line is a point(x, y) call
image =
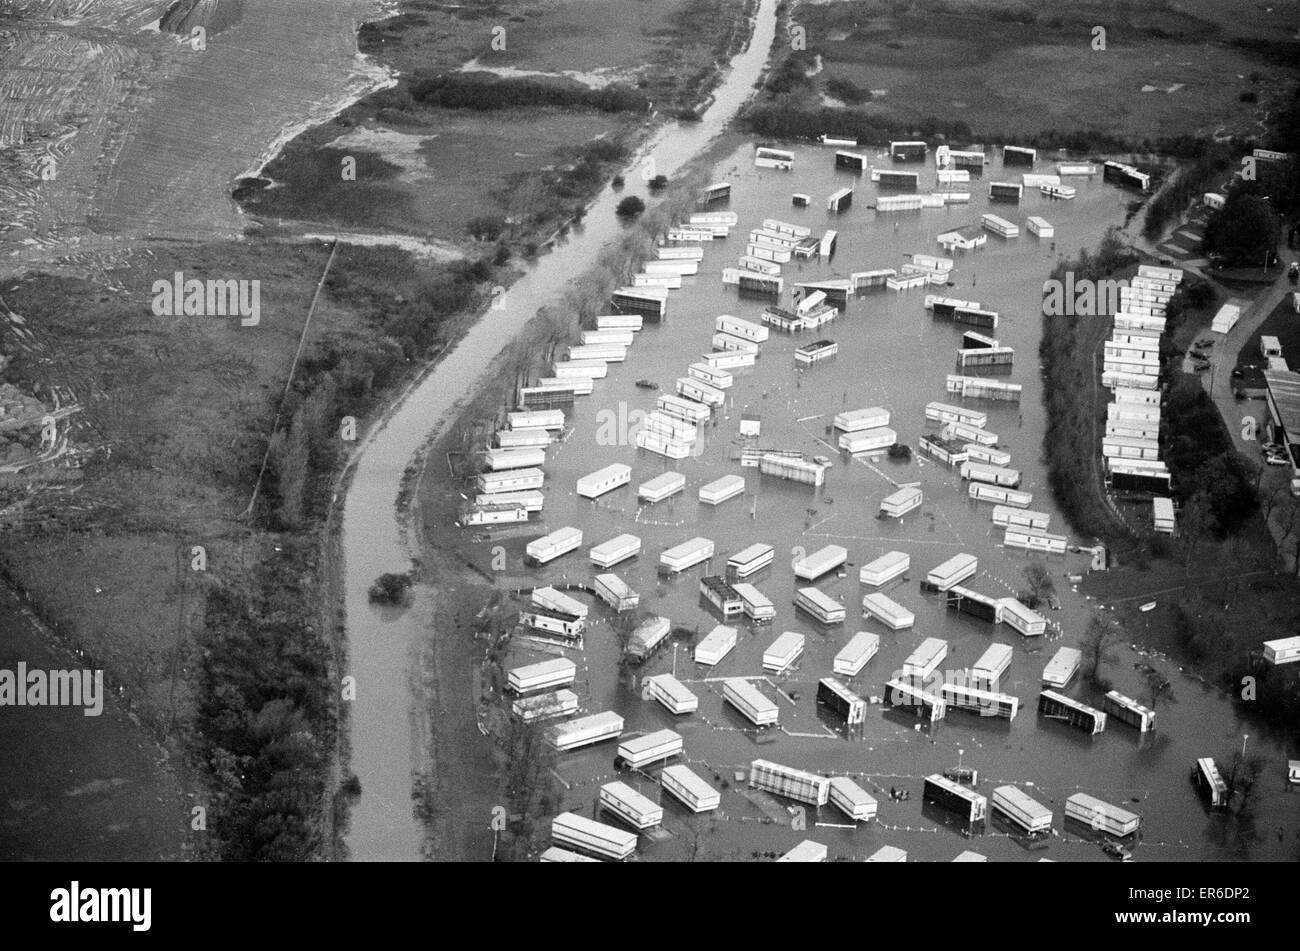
point(383, 644)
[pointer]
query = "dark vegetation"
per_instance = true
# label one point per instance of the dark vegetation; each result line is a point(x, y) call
point(1067, 352)
point(486, 92)
point(391, 588)
point(630, 207)
point(1192, 180)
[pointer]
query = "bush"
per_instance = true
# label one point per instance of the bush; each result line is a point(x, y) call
point(658, 183)
point(390, 588)
point(900, 450)
point(486, 227)
point(630, 207)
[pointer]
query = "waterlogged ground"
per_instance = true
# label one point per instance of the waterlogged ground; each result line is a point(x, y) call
point(893, 354)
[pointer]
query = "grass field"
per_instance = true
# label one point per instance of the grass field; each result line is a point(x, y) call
point(1014, 68)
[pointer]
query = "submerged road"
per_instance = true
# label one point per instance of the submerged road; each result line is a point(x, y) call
point(384, 644)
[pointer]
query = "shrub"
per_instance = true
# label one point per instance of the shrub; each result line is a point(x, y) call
point(390, 588)
point(630, 207)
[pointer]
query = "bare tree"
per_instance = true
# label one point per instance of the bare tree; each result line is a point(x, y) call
point(1040, 588)
point(1101, 634)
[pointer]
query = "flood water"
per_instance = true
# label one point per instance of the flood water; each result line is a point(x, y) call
point(894, 354)
point(383, 644)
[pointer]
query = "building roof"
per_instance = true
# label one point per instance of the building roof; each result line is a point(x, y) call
point(1284, 394)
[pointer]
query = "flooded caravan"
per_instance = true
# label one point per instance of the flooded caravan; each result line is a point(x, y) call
point(716, 645)
point(623, 336)
point(720, 490)
point(756, 605)
point(897, 504)
point(782, 653)
point(928, 706)
point(749, 700)
point(987, 672)
point(968, 238)
point(978, 387)
point(960, 799)
point(925, 660)
point(867, 440)
point(948, 451)
point(662, 445)
point(975, 317)
point(737, 327)
point(669, 254)
point(887, 853)
point(729, 359)
point(585, 731)
point(1205, 774)
point(910, 150)
point(820, 605)
point(631, 322)
point(484, 511)
point(523, 438)
point(1283, 650)
point(953, 571)
point(967, 601)
point(973, 339)
point(854, 161)
point(550, 621)
point(765, 157)
point(1040, 226)
point(557, 854)
point(846, 703)
point(953, 176)
point(852, 421)
point(686, 555)
point(616, 592)
point(986, 357)
point(536, 419)
point(617, 549)
point(726, 341)
point(992, 457)
point(722, 596)
point(795, 470)
point(648, 635)
point(884, 569)
point(689, 789)
point(641, 751)
point(994, 475)
point(987, 703)
point(1031, 540)
point(969, 433)
point(531, 499)
point(840, 201)
point(884, 178)
point(812, 567)
point(750, 560)
point(1076, 168)
point(569, 828)
point(688, 387)
point(683, 409)
point(553, 545)
point(946, 413)
point(752, 282)
point(604, 480)
point(900, 202)
point(500, 460)
point(789, 782)
point(851, 799)
point(784, 227)
point(759, 265)
point(815, 352)
point(545, 675)
point(999, 226)
point(548, 597)
point(1056, 706)
point(854, 655)
point(566, 386)
point(1060, 670)
point(650, 302)
point(1101, 816)
point(719, 191)
point(1125, 175)
point(984, 492)
point(1022, 619)
point(1004, 515)
point(1018, 155)
point(887, 611)
point(763, 252)
point(1064, 192)
point(660, 422)
point(629, 805)
point(714, 376)
point(610, 352)
point(661, 487)
point(1031, 816)
point(805, 851)
point(905, 281)
point(1127, 710)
